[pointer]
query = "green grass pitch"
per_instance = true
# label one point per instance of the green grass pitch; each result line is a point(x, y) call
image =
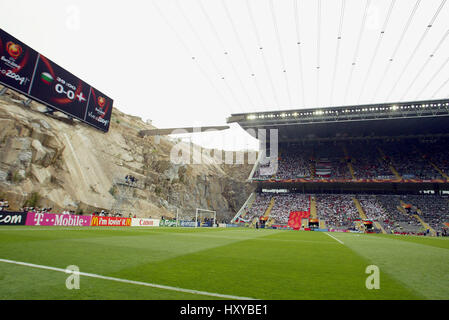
point(261, 264)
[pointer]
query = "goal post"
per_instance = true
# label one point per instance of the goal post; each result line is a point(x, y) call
point(200, 214)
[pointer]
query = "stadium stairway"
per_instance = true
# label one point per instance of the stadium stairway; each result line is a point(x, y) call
point(417, 217)
point(379, 226)
point(401, 208)
point(266, 214)
point(242, 212)
point(270, 222)
point(439, 170)
point(393, 169)
point(270, 206)
point(313, 213)
point(359, 209)
point(351, 169)
point(322, 224)
point(312, 170)
point(361, 214)
point(425, 225)
point(395, 172)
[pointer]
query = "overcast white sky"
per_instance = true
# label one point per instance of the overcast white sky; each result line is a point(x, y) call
point(141, 53)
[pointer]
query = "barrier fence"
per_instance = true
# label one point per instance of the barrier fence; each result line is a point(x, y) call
point(70, 220)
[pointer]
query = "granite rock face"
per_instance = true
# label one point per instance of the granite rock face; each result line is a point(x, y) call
point(73, 166)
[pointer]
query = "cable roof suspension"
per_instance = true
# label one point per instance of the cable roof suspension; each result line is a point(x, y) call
point(425, 64)
point(259, 42)
point(373, 58)
point(225, 51)
point(404, 31)
point(432, 78)
point(194, 59)
point(281, 53)
point(356, 52)
point(440, 87)
point(430, 24)
point(242, 48)
point(318, 44)
point(206, 51)
point(298, 42)
point(337, 51)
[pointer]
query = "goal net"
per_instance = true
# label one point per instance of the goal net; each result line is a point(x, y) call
point(205, 218)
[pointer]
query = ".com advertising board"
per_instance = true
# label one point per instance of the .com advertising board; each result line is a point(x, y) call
point(34, 75)
point(12, 218)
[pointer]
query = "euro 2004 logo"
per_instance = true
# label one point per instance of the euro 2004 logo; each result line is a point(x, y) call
point(14, 50)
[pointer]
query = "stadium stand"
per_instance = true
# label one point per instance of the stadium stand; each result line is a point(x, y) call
point(338, 211)
point(258, 207)
point(4, 204)
point(411, 159)
point(432, 209)
point(286, 203)
point(385, 165)
point(397, 220)
point(293, 163)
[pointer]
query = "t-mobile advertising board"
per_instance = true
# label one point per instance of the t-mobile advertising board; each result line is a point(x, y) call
point(52, 219)
point(30, 73)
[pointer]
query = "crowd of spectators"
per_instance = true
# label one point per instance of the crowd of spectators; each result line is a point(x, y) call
point(258, 207)
point(372, 208)
point(265, 170)
point(433, 209)
point(338, 211)
point(367, 162)
point(104, 213)
point(435, 151)
point(370, 159)
point(286, 203)
point(339, 169)
point(396, 220)
point(394, 212)
point(329, 159)
point(409, 161)
point(293, 165)
point(35, 209)
point(131, 180)
point(4, 204)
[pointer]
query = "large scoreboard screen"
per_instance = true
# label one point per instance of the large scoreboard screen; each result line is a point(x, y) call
point(30, 73)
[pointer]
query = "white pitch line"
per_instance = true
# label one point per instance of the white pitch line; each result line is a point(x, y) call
point(334, 238)
point(146, 284)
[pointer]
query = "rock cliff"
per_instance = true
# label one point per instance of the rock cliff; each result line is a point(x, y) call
point(52, 161)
